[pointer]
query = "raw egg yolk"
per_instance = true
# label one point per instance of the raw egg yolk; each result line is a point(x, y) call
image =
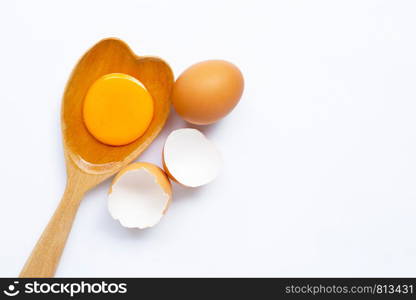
point(117, 109)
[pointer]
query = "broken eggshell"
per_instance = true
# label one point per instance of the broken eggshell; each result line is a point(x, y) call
point(139, 195)
point(190, 159)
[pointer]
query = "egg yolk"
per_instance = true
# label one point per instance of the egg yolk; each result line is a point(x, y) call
point(117, 109)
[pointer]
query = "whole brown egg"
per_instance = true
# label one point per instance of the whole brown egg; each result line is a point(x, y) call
point(207, 91)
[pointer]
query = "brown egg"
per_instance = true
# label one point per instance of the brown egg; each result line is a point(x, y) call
point(207, 91)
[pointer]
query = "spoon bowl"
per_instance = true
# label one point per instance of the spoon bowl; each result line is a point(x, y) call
point(89, 162)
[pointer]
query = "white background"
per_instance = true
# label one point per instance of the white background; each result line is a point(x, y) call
point(320, 154)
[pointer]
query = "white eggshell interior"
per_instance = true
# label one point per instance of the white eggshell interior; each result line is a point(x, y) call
point(137, 200)
point(191, 158)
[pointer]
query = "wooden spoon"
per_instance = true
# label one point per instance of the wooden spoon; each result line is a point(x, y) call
point(89, 162)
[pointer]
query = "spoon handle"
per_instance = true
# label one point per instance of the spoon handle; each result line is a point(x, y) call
point(44, 258)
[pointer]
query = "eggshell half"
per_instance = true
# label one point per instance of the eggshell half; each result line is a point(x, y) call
point(139, 195)
point(190, 158)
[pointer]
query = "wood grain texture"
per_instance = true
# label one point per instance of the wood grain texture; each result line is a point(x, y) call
point(88, 161)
